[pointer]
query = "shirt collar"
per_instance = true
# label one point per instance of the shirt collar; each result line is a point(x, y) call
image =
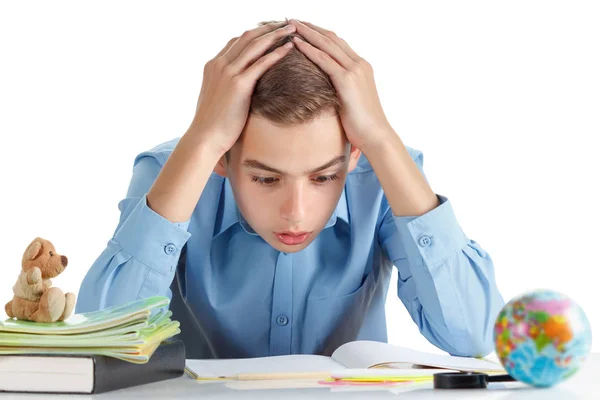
point(232, 215)
point(341, 211)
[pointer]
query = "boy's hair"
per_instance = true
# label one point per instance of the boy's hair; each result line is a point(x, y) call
point(294, 90)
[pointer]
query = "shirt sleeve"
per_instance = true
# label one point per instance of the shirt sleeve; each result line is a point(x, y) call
point(445, 280)
point(141, 257)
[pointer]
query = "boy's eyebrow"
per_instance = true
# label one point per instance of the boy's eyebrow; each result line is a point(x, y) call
point(258, 165)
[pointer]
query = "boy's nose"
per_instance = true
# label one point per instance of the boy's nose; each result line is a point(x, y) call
point(293, 208)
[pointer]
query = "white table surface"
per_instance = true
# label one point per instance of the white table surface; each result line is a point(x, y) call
point(585, 384)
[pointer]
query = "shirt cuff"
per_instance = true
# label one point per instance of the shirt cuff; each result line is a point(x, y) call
point(152, 239)
point(431, 238)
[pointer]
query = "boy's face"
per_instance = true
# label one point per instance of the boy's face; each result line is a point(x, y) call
point(278, 181)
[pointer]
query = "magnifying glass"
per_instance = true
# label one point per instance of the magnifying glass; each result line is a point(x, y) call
point(467, 380)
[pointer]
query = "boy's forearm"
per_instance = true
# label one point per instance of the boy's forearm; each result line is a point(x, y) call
point(182, 179)
point(406, 189)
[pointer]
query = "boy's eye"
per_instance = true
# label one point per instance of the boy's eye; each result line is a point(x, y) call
point(269, 181)
point(325, 178)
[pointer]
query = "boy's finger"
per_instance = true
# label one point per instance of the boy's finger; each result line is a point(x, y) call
point(338, 40)
point(256, 70)
point(325, 44)
point(258, 47)
point(247, 37)
point(227, 46)
point(324, 60)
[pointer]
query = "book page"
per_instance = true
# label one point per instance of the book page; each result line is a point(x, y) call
point(261, 365)
point(367, 354)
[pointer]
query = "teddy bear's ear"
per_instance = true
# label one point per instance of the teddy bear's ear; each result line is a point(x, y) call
point(34, 250)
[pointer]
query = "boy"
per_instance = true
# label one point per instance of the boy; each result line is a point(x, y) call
point(274, 222)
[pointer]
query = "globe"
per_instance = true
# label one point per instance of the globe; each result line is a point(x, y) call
point(542, 337)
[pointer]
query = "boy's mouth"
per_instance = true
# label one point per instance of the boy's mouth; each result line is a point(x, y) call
point(292, 238)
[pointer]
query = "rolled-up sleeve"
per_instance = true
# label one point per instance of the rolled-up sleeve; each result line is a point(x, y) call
point(445, 280)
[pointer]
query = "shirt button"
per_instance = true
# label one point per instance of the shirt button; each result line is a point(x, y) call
point(424, 241)
point(282, 320)
point(170, 248)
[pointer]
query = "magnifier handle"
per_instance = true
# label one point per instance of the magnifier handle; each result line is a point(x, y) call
point(500, 378)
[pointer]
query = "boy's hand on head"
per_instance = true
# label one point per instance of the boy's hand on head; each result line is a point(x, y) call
point(361, 114)
point(221, 113)
point(228, 83)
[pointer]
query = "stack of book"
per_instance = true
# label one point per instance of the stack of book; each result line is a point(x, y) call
point(93, 352)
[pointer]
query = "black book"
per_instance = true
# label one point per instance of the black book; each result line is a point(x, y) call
point(58, 373)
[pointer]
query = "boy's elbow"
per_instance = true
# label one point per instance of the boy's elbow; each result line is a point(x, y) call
point(475, 340)
point(481, 340)
point(473, 346)
point(88, 299)
point(481, 345)
point(83, 303)
point(480, 331)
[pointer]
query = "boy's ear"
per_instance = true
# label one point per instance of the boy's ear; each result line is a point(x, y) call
point(221, 167)
point(355, 154)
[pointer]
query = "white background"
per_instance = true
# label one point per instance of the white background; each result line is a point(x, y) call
point(503, 98)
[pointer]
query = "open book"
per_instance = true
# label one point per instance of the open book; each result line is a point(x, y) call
point(362, 354)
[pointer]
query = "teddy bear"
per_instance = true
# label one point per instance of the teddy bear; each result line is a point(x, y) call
point(34, 299)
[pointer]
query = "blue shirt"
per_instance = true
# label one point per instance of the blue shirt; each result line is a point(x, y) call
point(236, 296)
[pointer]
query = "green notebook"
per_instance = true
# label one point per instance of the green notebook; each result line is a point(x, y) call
point(134, 338)
point(91, 321)
point(130, 332)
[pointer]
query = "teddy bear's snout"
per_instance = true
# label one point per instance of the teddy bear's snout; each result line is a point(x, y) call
point(64, 261)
